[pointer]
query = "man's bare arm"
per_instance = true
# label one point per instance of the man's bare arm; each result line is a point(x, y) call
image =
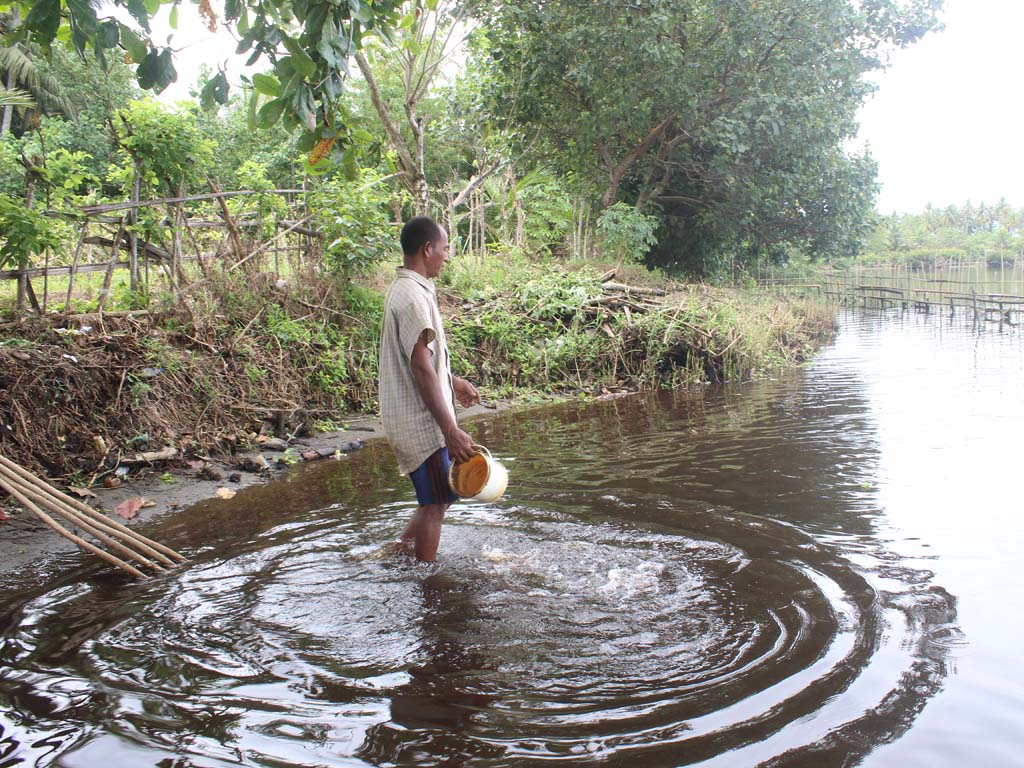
point(460, 444)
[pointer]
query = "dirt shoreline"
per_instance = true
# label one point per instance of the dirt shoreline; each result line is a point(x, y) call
point(25, 540)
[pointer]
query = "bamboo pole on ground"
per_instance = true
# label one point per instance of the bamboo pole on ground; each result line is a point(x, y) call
point(15, 494)
point(34, 493)
point(87, 510)
point(95, 531)
point(74, 510)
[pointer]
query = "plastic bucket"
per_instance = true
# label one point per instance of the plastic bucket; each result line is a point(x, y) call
point(482, 478)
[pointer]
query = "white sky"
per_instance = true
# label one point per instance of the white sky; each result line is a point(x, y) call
point(194, 45)
point(945, 125)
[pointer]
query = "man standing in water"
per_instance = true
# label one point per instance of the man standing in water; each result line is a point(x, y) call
point(417, 389)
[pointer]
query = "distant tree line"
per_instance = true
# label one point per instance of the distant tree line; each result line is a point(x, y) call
point(994, 233)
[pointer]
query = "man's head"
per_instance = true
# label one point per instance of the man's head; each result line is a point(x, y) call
point(424, 245)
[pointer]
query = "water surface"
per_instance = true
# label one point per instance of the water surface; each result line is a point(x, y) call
point(812, 571)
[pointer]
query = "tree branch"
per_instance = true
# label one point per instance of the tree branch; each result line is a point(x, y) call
point(384, 113)
point(617, 173)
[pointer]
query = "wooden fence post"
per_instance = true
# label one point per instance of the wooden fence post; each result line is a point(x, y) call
point(74, 266)
point(277, 248)
point(133, 237)
point(22, 291)
point(105, 291)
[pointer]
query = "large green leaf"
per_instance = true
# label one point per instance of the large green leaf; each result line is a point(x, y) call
point(304, 106)
point(156, 70)
point(133, 44)
point(300, 60)
point(270, 113)
point(138, 11)
point(266, 84)
point(109, 34)
point(214, 92)
point(44, 19)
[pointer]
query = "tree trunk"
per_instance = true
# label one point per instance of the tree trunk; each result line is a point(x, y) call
point(8, 114)
point(618, 173)
point(421, 195)
point(5, 123)
point(24, 286)
point(236, 239)
point(507, 183)
point(520, 224)
point(413, 175)
point(108, 276)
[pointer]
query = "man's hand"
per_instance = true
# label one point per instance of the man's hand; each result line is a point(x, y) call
point(460, 444)
point(465, 392)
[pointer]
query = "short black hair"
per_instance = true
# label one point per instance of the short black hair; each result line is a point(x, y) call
point(417, 232)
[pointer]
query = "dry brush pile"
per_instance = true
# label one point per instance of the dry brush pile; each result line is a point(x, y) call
point(82, 396)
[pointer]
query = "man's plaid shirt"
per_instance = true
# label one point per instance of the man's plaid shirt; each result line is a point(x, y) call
point(410, 309)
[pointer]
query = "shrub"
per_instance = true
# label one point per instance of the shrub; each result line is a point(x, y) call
point(627, 233)
point(23, 232)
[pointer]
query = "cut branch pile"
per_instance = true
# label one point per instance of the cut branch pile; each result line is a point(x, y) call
point(40, 498)
point(240, 357)
point(626, 299)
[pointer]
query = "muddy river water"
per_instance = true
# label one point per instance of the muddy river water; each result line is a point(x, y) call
point(819, 570)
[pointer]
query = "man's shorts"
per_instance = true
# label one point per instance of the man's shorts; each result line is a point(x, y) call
point(430, 479)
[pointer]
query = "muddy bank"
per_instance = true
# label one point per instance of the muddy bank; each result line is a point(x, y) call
point(169, 489)
point(177, 405)
point(85, 397)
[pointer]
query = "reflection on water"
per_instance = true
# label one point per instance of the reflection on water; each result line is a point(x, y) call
point(737, 577)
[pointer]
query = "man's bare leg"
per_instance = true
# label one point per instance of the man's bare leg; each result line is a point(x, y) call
point(424, 531)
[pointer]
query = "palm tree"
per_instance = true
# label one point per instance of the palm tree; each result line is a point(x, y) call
point(15, 98)
point(19, 71)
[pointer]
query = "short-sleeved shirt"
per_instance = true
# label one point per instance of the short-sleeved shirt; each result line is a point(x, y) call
point(410, 308)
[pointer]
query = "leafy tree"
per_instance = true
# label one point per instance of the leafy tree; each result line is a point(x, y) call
point(730, 116)
point(627, 233)
point(96, 95)
point(353, 216)
point(231, 129)
point(542, 207)
point(424, 42)
point(267, 208)
point(949, 235)
point(164, 147)
point(24, 232)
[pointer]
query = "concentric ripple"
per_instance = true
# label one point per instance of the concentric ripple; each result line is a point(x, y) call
point(541, 638)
